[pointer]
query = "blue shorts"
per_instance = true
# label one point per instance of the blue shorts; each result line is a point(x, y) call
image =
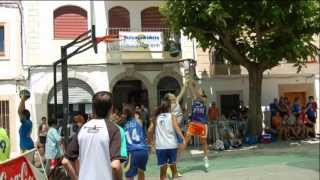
point(166, 156)
point(136, 160)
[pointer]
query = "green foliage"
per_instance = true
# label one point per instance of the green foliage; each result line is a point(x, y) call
point(260, 32)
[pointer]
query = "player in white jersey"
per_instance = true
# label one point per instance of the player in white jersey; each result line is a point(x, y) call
point(165, 126)
point(97, 145)
point(177, 111)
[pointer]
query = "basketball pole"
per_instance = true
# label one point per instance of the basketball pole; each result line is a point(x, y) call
point(84, 42)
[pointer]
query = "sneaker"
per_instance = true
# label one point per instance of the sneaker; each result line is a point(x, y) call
point(206, 162)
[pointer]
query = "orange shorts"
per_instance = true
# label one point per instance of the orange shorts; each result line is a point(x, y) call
point(197, 129)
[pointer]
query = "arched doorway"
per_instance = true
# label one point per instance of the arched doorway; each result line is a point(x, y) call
point(80, 97)
point(130, 91)
point(167, 84)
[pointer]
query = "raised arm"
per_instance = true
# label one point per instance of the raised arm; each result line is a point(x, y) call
point(21, 106)
point(183, 90)
point(177, 128)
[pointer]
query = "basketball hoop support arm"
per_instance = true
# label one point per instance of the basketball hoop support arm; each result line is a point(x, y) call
point(88, 42)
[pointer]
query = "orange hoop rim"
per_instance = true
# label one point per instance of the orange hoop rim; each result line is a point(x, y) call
point(107, 38)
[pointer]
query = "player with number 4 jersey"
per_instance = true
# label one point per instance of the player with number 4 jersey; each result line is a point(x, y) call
point(136, 145)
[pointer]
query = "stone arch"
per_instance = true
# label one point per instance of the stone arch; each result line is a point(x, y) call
point(130, 76)
point(49, 86)
point(171, 74)
point(133, 75)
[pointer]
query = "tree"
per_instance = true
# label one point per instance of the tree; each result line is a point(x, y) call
point(255, 34)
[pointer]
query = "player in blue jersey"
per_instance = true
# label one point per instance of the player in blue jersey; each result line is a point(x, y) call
point(136, 145)
point(199, 121)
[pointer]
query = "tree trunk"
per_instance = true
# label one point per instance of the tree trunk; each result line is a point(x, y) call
point(255, 113)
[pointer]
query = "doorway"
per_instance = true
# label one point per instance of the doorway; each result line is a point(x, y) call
point(166, 85)
point(228, 103)
point(301, 95)
point(130, 92)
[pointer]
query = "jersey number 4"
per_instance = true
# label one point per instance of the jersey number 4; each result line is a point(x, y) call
point(133, 136)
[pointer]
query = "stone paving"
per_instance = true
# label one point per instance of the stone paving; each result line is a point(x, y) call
point(294, 160)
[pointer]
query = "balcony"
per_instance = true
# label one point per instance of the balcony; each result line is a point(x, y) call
point(143, 44)
point(226, 69)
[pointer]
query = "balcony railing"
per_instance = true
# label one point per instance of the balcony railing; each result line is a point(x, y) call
point(225, 69)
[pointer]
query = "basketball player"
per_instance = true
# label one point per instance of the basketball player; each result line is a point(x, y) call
point(198, 125)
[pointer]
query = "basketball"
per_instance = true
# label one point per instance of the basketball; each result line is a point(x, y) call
point(24, 93)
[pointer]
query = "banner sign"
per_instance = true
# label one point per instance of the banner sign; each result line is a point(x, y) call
point(27, 166)
point(141, 41)
point(18, 168)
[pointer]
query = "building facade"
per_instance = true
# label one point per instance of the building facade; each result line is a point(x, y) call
point(134, 72)
point(12, 76)
point(227, 85)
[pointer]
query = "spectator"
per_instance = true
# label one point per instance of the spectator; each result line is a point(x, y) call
point(213, 112)
point(79, 119)
point(276, 121)
point(53, 149)
point(301, 123)
point(284, 110)
point(137, 116)
point(274, 107)
point(314, 105)
point(4, 145)
point(42, 130)
point(25, 130)
point(296, 108)
point(311, 108)
point(296, 130)
point(213, 116)
point(284, 128)
point(234, 116)
point(311, 114)
point(97, 145)
point(242, 111)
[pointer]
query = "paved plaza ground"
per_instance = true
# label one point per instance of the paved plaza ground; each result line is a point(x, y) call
point(294, 160)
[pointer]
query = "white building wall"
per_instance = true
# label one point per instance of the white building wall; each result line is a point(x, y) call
point(10, 64)
point(11, 73)
point(42, 48)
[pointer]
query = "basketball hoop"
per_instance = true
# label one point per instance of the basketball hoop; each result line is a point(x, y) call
point(107, 38)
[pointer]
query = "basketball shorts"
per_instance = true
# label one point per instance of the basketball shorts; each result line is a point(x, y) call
point(166, 156)
point(197, 129)
point(136, 160)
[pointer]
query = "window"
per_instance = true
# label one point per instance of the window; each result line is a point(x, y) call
point(152, 18)
point(119, 20)
point(2, 40)
point(70, 22)
point(4, 115)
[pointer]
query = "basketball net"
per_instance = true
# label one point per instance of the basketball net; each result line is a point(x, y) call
point(107, 38)
point(113, 43)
